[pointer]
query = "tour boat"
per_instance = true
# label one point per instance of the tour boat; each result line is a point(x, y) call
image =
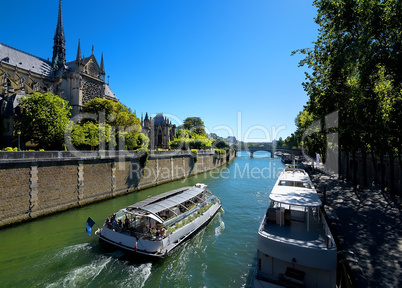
point(295, 245)
point(157, 225)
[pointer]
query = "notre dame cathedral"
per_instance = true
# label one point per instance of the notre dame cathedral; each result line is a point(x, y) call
point(21, 73)
point(77, 81)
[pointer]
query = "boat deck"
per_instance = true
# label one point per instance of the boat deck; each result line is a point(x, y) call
point(296, 233)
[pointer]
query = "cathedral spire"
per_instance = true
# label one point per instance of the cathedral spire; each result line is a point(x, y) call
point(102, 67)
point(59, 48)
point(78, 59)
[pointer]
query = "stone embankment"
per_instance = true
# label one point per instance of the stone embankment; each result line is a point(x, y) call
point(369, 227)
point(34, 184)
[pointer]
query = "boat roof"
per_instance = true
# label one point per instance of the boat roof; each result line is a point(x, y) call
point(166, 200)
point(295, 188)
point(294, 174)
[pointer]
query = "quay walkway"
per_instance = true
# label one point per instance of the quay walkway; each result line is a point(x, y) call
point(367, 222)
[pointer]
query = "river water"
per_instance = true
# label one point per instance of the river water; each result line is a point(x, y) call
point(55, 251)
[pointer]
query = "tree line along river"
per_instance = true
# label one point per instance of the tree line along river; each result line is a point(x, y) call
point(55, 251)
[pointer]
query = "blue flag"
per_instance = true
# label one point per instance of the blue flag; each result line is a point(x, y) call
point(90, 223)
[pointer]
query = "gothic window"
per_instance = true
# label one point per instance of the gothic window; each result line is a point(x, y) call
point(92, 69)
point(90, 90)
point(160, 138)
point(5, 79)
point(36, 87)
point(22, 83)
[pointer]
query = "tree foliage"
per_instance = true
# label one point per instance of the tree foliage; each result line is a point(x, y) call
point(191, 135)
point(109, 123)
point(195, 125)
point(355, 69)
point(115, 113)
point(43, 119)
point(89, 135)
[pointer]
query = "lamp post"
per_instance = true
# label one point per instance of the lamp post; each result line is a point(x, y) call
point(19, 139)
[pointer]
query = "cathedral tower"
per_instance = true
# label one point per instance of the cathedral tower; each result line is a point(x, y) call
point(59, 48)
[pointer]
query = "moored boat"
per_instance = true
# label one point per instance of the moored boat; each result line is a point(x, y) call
point(157, 225)
point(295, 245)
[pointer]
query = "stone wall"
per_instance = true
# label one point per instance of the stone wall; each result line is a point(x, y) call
point(36, 184)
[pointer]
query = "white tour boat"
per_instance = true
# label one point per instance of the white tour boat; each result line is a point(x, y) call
point(157, 225)
point(295, 245)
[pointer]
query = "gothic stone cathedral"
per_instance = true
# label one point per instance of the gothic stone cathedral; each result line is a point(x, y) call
point(76, 81)
point(21, 73)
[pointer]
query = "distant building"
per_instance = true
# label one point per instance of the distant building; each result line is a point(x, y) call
point(77, 81)
point(230, 140)
point(159, 130)
point(213, 136)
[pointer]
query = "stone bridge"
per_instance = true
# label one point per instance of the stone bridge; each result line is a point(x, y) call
point(272, 150)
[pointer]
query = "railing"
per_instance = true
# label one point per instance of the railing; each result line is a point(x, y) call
point(330, 239)
point(6, 156)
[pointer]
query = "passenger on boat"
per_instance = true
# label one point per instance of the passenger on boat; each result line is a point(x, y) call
point(114, 224)
point(126, 223)
point(146, 229)
point(109, 222)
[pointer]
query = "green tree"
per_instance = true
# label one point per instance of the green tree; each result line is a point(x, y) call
point(43, 119)
point(91, 131)
point(292, 141)
point(220, 144)
point(355, 69)
point(115, 113)
point(120, 125)
point(135, 141)
point(195, 125)
point(183, 134)
point(88, 135)
point(279, 143)
point(180, 143)
point(191, 135)
point(77, 137)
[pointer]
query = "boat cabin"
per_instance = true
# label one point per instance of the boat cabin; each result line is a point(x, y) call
point(295, 245)
point(293, 200)
point(156, 217)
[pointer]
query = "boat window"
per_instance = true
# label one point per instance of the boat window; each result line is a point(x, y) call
point(120, 214)
point(202, 197)
point(164, 214)
point(295, 184)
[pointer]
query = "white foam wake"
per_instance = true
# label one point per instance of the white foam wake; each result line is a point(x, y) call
point(80, 276)
point(221, 227)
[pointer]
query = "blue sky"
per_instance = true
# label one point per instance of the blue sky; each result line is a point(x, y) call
point(225, 61)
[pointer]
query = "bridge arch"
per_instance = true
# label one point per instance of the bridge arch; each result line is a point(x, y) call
point(271, 150)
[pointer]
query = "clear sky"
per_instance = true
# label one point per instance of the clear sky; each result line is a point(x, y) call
point(225, 61)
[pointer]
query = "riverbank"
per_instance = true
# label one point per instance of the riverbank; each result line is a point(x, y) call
point(34, 184)
point(369, 225)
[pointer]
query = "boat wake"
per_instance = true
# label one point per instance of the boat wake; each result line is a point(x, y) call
point(219, 230)
point(64, 252)
point(134, 276)
point(80, 266)
point(82, 275)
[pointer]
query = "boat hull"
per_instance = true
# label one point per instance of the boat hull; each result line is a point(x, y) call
point(295, 244)
point(157, 248)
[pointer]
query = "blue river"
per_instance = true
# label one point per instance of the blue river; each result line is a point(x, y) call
point(55, 251)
